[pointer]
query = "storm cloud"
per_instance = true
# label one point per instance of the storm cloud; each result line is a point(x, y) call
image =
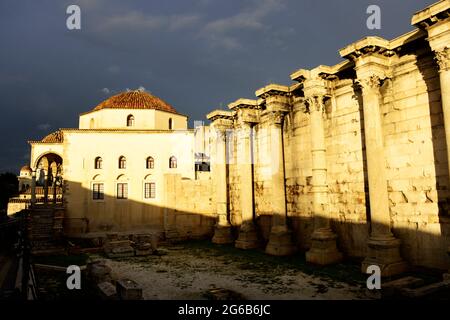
point(198, 55)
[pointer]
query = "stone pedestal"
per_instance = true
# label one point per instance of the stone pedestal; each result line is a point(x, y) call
point(447, 275)
point(143, 249)
point(223, 235)
point(248, 237)
point(384, 252)
point(323, 249)
point(280, 242)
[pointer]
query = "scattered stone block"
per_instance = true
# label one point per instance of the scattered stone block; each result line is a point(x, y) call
point(426, 290)
point(143, 249)
point(112, 236)
point(107, 291)
point(121, 252)
point(161, 252)
point(154, 241)
point(99, 272)
point(223, 294)
point(128, 290)
point(118, 249)
point(394, 287)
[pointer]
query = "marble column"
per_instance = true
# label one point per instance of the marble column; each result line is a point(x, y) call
point(54, 191)
point(443, 59)
point(222, 231)
point(435, 21)
point(248, 236)
point(280, 238)
point(33, 188)
point(46, 186)
point(323, 249)
point(383, 247)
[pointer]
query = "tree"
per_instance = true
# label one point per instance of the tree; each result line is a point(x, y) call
point(9, 186)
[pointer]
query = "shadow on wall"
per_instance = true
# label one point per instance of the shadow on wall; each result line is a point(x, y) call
point(111, 214)
point(195, 219)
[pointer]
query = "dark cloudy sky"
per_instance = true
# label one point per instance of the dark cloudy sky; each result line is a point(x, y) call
point(198, 55)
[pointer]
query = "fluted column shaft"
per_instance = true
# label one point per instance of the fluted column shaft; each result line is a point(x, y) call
point(221, 177)
point(323, 249)
point(376, 171)
point(278, 175)
point(46, 187)
point(33, 188)
point(246, 172)
point(443, 60)
point(383, 247)
point(319, 168)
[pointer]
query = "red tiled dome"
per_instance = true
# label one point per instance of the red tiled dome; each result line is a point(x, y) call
point(54, 137)
point(25, 169)
point(136, 99)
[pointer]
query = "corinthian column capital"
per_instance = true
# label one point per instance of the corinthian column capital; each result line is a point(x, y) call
point(370, 83)
point(315, 103)
point(274, 117)
point(442, 58)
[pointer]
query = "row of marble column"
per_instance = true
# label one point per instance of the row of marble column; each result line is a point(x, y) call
point(247, 113)
point(383, 247)
point(371, 59)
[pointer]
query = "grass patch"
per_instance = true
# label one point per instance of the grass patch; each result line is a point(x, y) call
point(52, 286)
point(258, 260)
point(62, 260)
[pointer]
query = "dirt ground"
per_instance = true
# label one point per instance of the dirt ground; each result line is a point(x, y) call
point(190, 270)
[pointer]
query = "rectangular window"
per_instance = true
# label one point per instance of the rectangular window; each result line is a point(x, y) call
point(122, 191)
point(149, 190)
point(98, 191)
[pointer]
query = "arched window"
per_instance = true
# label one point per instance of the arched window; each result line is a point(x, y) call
point(150, 163)
point(98, 163)
point(130, 121)
point(172, 162)
point(122, 162)
point(91, 123)
point(170, 123)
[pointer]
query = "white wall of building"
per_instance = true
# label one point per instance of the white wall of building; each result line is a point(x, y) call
point(144, 119)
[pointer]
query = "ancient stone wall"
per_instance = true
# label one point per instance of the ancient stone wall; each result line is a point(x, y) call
point(190, 206)
point(416, 157)
point(416, 163)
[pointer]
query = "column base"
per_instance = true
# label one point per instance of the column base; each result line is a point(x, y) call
point(323, 249)
point(280, 242)
point(384, 251)
point(248, 237)
point(446, 276)
point(223, 235)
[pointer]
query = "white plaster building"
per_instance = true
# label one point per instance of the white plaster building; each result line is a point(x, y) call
point(113, 166)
